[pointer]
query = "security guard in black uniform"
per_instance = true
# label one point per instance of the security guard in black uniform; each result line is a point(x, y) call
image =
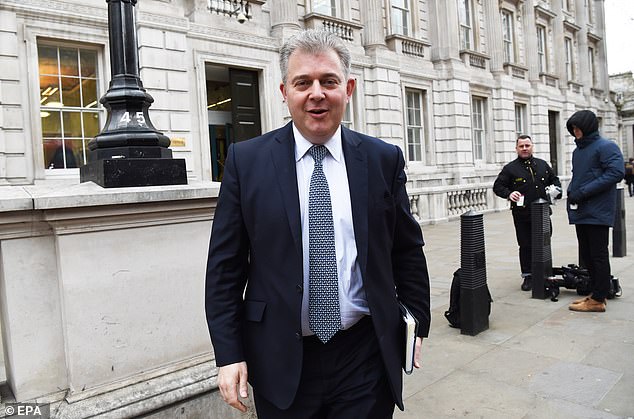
point(523, 181)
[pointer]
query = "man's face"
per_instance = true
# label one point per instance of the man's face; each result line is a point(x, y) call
point(578, 133)
point(524, 148)
point(316, 93)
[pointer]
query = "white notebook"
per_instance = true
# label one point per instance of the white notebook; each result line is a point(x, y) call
point(409, 325)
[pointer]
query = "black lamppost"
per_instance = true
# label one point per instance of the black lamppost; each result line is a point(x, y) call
point(129, 151)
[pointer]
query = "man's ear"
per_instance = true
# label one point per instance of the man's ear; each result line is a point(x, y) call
point(350, 84)
point(283, 90)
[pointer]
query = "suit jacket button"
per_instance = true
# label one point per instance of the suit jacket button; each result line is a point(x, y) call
point(298, 335)
point(299, 288)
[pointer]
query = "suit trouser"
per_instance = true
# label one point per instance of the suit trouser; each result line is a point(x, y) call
point(342, 379)
point(593, 250)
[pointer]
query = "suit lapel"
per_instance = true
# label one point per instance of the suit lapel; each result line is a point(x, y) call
point(357, 168)
point(283, 155)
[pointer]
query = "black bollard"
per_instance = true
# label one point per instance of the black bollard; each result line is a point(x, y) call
point(474, 294)
point(619, 237)
point(129, 151)
point(542, 264)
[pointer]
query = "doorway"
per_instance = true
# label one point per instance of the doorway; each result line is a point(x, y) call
point(553, 124)
point(233, 111)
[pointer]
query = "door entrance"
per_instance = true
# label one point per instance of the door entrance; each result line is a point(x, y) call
point(233, 111)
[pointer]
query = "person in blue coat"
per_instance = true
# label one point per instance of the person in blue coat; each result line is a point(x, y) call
point(597, 167)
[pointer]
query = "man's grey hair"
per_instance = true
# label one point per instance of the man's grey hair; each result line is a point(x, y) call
point(314, 41)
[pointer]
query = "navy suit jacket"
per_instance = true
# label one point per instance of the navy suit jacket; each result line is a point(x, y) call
point(254, 281)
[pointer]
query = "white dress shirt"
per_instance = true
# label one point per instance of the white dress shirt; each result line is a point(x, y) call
point(352, 301)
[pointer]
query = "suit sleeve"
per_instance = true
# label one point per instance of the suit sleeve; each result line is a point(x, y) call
point(227, 268)
point(409, 265)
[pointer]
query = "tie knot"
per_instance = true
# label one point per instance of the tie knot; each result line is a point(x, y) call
point(318, 152)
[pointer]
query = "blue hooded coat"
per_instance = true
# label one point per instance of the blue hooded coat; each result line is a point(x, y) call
point(597, 166)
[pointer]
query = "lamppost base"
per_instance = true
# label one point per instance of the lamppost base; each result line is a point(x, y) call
point(121, 173)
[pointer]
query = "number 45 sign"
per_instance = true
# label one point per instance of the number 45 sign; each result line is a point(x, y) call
point(131, 118)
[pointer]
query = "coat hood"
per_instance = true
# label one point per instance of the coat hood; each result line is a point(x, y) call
point(585, 120)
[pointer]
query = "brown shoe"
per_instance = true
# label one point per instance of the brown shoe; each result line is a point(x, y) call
point(589, 305)
point(582, 300)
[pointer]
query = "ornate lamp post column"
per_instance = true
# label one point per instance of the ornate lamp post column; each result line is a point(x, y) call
point(129, 151)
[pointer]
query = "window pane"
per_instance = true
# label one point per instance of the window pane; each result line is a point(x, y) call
point(49, 90)
point(89, 93)
point(47, 59)
point(68, 61)
point(88, 63)
point(53, 156)
point(70, 91)
point(91, 124)
point(51, 123)
point(72, 124)
point(74, 153)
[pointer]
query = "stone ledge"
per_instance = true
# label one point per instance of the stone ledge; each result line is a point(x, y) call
point(47, 196)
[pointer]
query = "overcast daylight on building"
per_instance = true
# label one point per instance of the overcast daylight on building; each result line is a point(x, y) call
point(451, 82)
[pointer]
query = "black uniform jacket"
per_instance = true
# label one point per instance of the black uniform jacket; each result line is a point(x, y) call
point(530, 177)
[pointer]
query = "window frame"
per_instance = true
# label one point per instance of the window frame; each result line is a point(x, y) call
point(465, 25)
point(569, 59)
point(508, 36)
point(421, 145)
point(520, 123)
point(334, 8)
point(478, 142)
point(407, 29)
point(100, 85)
point(542, 50)
point(592, 65)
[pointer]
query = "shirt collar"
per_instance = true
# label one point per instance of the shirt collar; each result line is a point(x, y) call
point(302, 144)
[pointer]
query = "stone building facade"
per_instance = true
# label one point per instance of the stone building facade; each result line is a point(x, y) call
point(622, 90)
point(101, 307)
point(450, 82)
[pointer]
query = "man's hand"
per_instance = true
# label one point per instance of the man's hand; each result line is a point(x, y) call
point(514, 196)
point(232, 379)
point(417, 351)
point(575, 197)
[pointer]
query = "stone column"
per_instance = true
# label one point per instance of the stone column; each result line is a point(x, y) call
point(494, 32)
point(530, 40)
point(601, 64)
point(582, 48)
point(444, 30)
point(372, 20)
point(284, 18)
point(559, 47)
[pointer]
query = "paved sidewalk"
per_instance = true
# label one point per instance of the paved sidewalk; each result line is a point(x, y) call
point(537, 359)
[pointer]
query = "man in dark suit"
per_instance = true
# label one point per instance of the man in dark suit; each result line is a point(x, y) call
point(312, 243)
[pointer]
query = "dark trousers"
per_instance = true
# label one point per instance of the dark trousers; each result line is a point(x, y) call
point(593, 250)
point(522, 222)
point(342, 379)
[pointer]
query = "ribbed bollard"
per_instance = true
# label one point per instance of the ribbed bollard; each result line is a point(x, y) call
point(542, 264)
point(619, 237)
point(474, 295)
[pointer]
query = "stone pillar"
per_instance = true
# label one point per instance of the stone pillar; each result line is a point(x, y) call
point(582, 49)
point(445, 38)
point(372, 20)
point(559, 46)
point(601, 64)
point(530, 40)
point(284, 18)
point(494, 32)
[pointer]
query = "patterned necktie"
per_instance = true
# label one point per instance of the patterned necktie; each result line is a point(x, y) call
point(323, 299)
